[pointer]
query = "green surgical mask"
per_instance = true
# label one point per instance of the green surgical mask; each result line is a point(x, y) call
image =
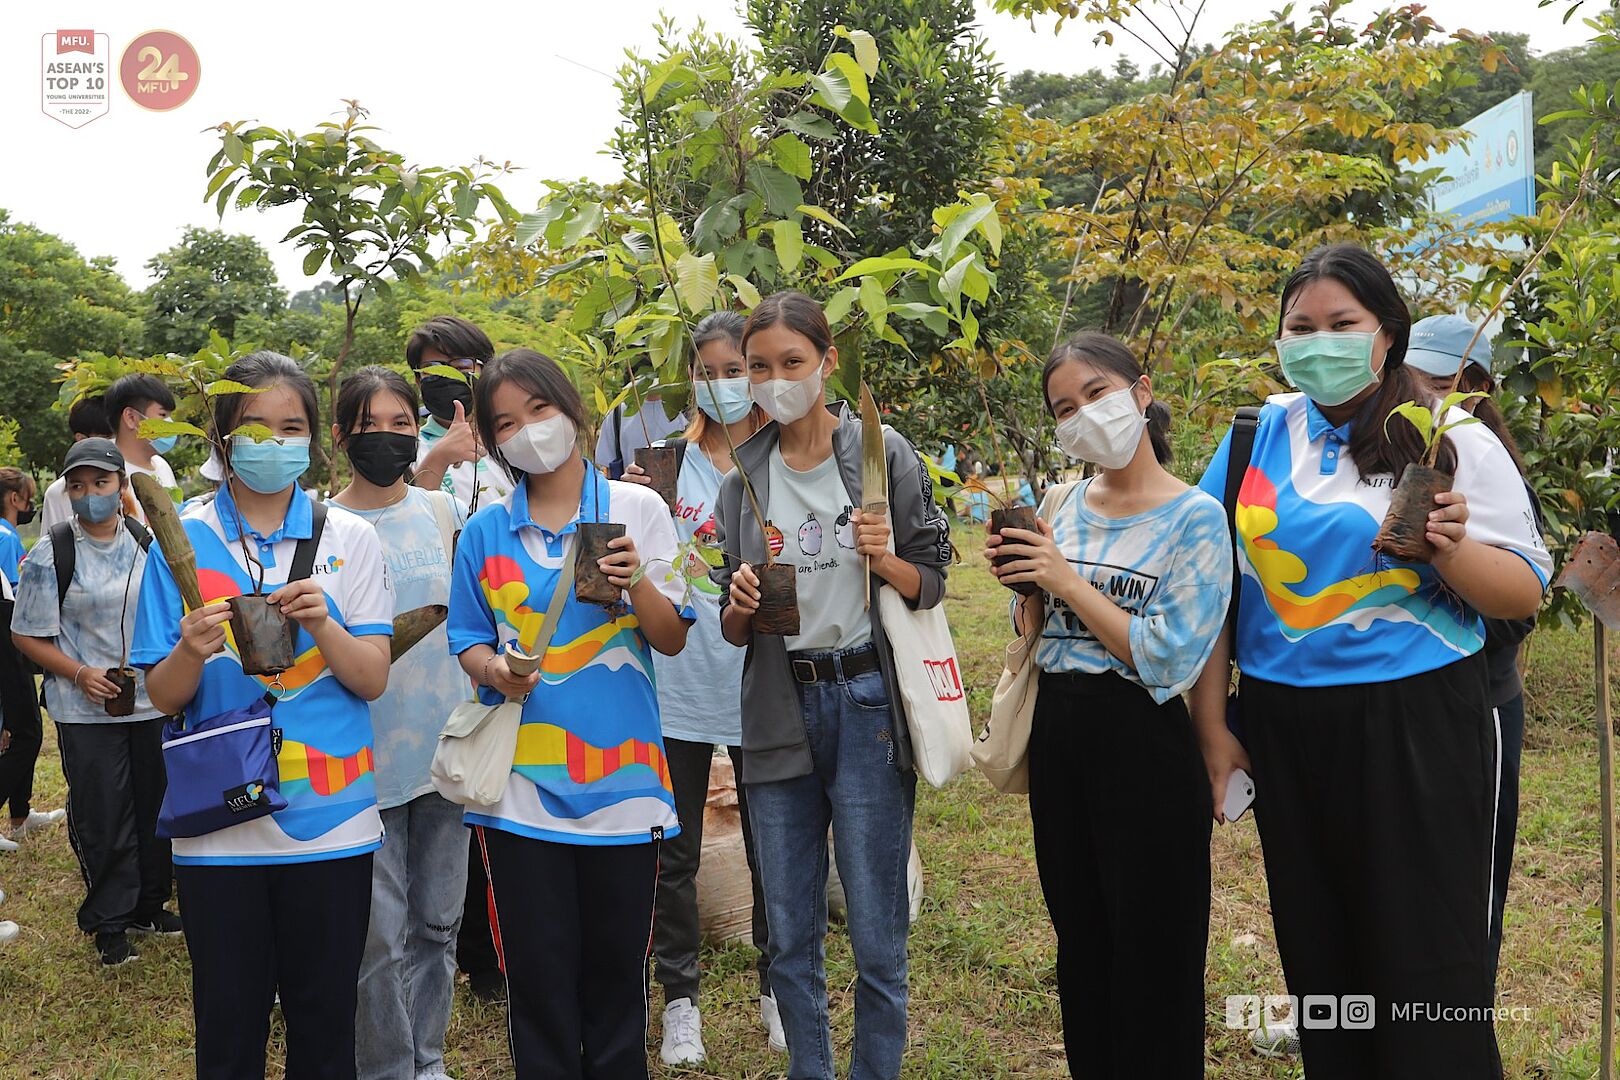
point(1329, 367)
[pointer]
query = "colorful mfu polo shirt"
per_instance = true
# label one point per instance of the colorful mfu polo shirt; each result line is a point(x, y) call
point(326, 760)
point(590, 765)
point(1319, 606)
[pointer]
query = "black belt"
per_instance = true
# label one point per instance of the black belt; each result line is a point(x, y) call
point(823, 668)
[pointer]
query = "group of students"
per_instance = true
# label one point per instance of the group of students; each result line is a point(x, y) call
point(1364, 711)
point(1377, 708)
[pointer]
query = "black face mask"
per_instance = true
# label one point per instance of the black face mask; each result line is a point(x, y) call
point(26, 517)
point(382, 457)
point(440, 395)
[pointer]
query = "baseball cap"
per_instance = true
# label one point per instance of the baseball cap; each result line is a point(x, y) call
point(102, 453)
point(1438, 342)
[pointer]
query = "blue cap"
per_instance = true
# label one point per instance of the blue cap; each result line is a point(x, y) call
point(1438, 342)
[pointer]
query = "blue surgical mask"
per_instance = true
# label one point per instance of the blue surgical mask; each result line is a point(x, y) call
point(270, 466)
point(96, 508)
point(725, 401)
point(165, 444)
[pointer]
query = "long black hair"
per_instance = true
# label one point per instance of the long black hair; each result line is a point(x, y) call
point(1110, 354)
point(1476, 378)
point(353, 406)
point(536, 373)
point(1374, 449)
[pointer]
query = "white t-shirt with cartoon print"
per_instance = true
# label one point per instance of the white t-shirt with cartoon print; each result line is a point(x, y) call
point(812, 510)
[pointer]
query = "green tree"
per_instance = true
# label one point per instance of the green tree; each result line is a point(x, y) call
point(1257, 150)
point(369, 216)
point(932, 99)
point(54, 304)
point(207, 282)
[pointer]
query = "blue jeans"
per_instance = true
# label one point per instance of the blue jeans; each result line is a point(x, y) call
point(868, 801)
point(407, 978)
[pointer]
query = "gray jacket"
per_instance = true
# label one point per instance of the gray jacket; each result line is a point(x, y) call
point(774, 743)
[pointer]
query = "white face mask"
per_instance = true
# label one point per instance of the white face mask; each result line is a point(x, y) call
point(1107, 431)
point(787, 400)
point(540, 447)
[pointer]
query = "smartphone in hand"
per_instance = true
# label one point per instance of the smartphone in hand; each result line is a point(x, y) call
point(1239, 795)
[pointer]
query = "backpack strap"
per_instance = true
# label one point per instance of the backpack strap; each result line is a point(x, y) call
point(1244, 424)
point(66, 555)
point(304, 555)
point(141, 533)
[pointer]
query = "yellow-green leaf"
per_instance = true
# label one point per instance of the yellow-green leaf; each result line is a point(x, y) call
point(745, 290)
point(866, 51)
point(231, 386)
point(792, 155)
point(697, 280)
point(445, 371)
point(825, 217)
point(789, 244)
point(873, 300)
point(837, 309)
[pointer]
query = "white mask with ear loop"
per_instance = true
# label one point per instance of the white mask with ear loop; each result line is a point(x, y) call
point(1107, 431)
point(789, 400)
point(540, 447)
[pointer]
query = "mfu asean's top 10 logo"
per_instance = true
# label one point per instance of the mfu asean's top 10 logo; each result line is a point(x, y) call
point(159, 71)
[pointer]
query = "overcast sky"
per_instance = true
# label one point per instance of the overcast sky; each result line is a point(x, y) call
point(446, 81)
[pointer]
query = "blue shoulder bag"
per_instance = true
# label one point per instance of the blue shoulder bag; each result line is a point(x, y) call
point(222, 770)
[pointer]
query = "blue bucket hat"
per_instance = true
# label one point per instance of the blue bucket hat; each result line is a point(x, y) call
point(1438, 342)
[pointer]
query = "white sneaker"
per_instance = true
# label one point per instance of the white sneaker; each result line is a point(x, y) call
point(1278, 1040)
point(7, 843)
point(683, 1034)
point(8, 932)
point(433, 1074)
point(772, 1016)
point(37, 820)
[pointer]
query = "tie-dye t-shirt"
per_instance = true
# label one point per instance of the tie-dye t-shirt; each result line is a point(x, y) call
point(426, 684)
point(1319, 607)
point(700, 687)
point(326, 764)
point(1169, 567)
point(590, 765)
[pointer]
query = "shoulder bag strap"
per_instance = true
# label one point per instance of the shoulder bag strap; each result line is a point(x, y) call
point(445, 519)
point(1244, 425)
point(559, 598)
point(304, 555)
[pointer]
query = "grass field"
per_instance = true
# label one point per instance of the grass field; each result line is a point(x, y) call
point(984, 1002)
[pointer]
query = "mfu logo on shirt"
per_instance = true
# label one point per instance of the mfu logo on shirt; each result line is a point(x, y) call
point(330, 566)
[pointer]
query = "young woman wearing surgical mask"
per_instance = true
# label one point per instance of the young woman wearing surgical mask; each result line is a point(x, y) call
point(280, 902)
point(699, 690)
point(1134, 572)
point(1363, 704)
point(113, 764)
point(571, 850)
point(419, 878)
point(824, 738)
